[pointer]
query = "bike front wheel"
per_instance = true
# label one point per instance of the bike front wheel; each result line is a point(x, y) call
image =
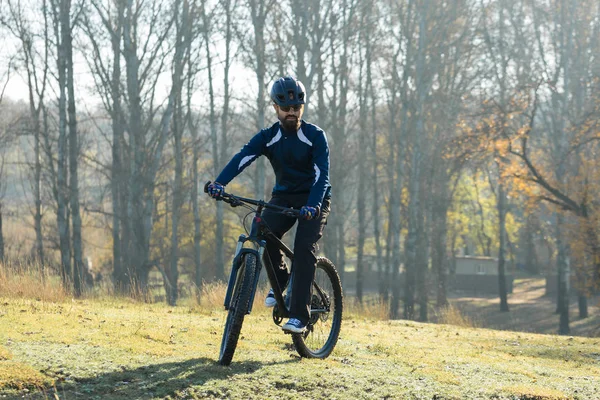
point(323, 329)
point(238, 307)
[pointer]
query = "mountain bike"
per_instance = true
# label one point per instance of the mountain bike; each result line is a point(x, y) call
point(323, 328)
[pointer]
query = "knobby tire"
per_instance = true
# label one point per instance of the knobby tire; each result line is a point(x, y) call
point(238, 308)
point(323, 332)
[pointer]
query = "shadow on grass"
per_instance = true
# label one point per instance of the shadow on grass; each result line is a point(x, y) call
point(155, 381)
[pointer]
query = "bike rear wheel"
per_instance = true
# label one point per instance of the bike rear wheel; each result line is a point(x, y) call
point(238, 307)
point(323, 329)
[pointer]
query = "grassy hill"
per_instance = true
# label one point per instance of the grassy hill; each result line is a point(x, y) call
point(56, 347)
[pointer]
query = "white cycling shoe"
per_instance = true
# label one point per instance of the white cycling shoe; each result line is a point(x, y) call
point(270, 299)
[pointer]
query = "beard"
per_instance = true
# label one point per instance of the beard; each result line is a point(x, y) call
point(289, 123)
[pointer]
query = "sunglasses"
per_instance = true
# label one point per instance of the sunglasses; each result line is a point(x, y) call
point(288, 108)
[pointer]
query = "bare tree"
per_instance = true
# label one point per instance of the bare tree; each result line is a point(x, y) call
point(193, 127)
point(145, 59)
point(2, 179)
point(208, 28)
point(366, 60)
point(4, 142)
point(558, 143)
point(108, 82)
point(397, 91)
point(455, 79)
point(183, 40)
point(414, 267)
point(61, 15)
point(496, 39)
point(498, 188)
point(73, 143)
point(259, 12)
point(36, 67)
point(342, 36)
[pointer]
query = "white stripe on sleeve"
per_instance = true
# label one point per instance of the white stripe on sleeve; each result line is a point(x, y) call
point(245, 161)
point(275, 139)
point(303, 138)
point(317, 174)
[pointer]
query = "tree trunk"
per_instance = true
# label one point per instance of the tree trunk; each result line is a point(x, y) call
point(363, 95)
point(415, 212)
point(582, 285)
point(78, 268)
point(439, 230)
point(531, 262)
point(37, 198)
point(196, 212)
point(173, 274)
point(118, 180)
point(229, 6)
point(146, 156)
point(412, 237)
point(388, 278)
point(36, 66)
point(219, 268)
point(62, 188)
point(259, 11)
point(299, 23)
point(196, 192)
point(172, 294)
point(331, 242)
point(422, 268)
point(397, 141)
point(182, 49)
point(395, 222)
point(1, 236)
point(341, 139)
point(375, 188)
point(341, 262)
point(134, 248)
point(331, 239)
point(501, 248)
point(582, 303)
point(563, 277)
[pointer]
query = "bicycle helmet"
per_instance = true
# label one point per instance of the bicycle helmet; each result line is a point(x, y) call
point(287, 91)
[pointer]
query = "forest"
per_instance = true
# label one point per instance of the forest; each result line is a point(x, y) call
point(456, 127)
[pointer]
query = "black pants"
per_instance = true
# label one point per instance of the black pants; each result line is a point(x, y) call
point(305, 248)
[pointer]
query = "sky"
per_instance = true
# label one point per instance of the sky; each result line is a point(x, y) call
point(16, 87)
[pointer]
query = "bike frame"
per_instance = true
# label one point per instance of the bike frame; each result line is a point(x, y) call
point(259, 232)
point(241, 289)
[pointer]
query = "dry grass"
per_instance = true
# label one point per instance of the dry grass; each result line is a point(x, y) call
point(212, 295)
point(25, 280)
point(372, 307)
point(531, 311)
point(450, 315)
point(18, 237)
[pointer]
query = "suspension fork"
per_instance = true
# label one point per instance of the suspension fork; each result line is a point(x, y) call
point(259, 257)
point(240, 254)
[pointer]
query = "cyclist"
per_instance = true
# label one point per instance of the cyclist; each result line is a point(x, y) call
point(299, 154)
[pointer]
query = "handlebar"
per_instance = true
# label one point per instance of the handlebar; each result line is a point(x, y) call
point(235, 201)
